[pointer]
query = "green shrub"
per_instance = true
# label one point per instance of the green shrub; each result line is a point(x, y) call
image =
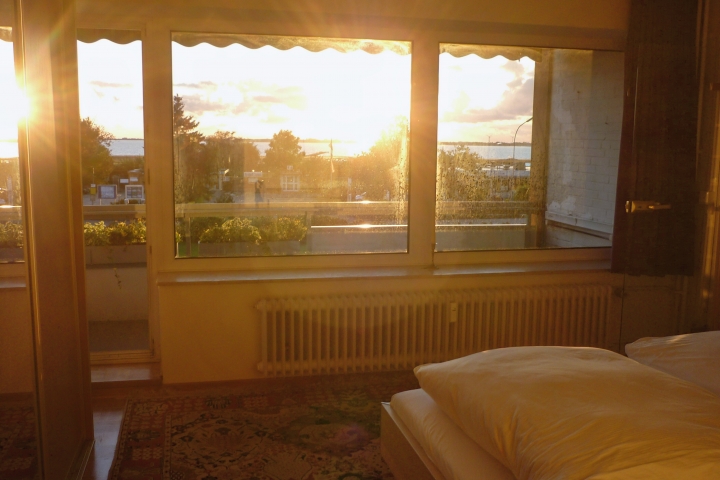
point(11, 235)
point(224, 197)
point(284, 229)
point(116, 233)
point(199, 225)
point(233, 230)
point(214, 234)
point(96, 234)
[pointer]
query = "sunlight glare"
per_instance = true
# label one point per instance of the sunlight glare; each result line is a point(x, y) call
point(481, 99)
point(351, 96)
point(110, 81)
point(14, 102)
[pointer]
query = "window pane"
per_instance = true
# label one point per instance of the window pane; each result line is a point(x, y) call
point(290, 146)
point(12, 110)
point(113, 173)
point(528, 147)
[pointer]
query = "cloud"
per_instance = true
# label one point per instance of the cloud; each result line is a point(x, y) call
point(516, 101)
point(291, 97)
point(515, 67)
point(204, 85)
point(520, 101)
point(256, 100)
point(514, 84)
point(271, 118)
point(101, 84)
point(267, 99)
point(198, 104)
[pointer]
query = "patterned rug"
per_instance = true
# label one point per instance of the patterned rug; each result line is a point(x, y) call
point(281, 429)
point(18, 447)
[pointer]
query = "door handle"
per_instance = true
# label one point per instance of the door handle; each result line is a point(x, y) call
point(632, 206)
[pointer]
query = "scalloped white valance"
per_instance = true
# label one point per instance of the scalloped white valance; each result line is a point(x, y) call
point(87, 35)
point(6, 34)
point(313, 44)
point(491, 51)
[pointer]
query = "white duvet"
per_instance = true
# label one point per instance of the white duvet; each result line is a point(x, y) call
point(694, 357)
point(579, 413)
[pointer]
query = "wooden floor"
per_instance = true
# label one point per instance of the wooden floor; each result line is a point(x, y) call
point(107, 415)
point(112, 384)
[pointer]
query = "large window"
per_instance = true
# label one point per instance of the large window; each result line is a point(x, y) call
point(528, 147)
point(12, 110)
point(290, 146)
point(113, 179)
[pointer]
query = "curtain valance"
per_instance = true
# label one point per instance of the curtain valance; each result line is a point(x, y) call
point(6, 34)
point(87, 35)
point(313, 44)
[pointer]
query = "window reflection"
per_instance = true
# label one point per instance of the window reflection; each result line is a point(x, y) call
point(528, 147)
point(13, 109)
point(113, 179)
point(289, 146)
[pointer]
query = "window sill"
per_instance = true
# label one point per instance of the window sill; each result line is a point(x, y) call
point(191, 278)
point(13, 283)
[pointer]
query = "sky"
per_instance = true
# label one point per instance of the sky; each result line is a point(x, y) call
point(110, 86)
point(10, 103)
point(325, 95)
point(481, 98)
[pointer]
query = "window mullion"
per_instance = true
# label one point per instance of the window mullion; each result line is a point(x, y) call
point(423, 148)
point(157, 99)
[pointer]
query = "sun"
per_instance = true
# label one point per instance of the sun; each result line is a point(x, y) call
point(15, 105)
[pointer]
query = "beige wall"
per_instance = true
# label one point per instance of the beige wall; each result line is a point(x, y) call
point(211, 331)
point(116, 294)
point(17, 369)
point(608, 15)
point(652, 307)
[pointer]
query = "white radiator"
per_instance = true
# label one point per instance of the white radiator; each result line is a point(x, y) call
point(373, 332)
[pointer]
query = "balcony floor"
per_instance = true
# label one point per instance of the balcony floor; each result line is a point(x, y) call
point(119, 336)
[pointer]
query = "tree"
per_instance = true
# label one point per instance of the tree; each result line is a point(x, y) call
point(284, 150)
point(228, 152)
point(193, 171)
point(97, 163)
point(460, 177)
point(184, 126)
point(382, 171)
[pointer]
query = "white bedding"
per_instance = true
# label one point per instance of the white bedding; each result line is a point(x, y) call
point(579, 413)
point(694, 357)
point(455, 454)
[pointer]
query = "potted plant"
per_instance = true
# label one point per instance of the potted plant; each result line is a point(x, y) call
point(116, 243)
point(284, 235)
point(11, 242)
point(234, 237)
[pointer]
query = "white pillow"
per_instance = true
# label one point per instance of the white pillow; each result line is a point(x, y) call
point(551, 413)
point(694, 357)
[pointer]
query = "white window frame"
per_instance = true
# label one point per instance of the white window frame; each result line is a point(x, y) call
point(290, 183)
point(596, 30)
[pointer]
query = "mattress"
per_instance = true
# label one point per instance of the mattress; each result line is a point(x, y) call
point(456, 455)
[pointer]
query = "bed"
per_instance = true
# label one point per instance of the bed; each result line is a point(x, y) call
point(555, 412)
